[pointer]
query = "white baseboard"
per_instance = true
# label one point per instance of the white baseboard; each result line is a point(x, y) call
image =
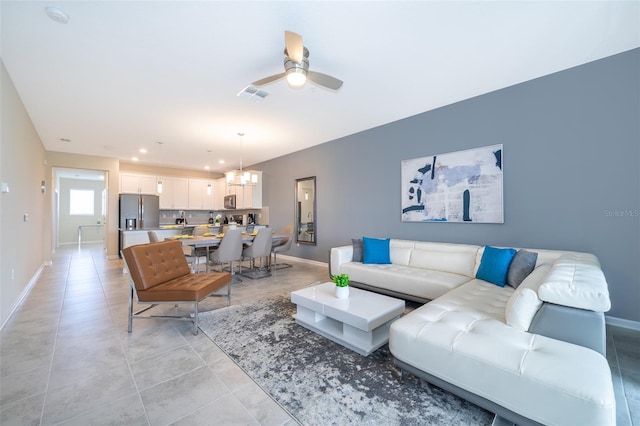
point(299, 259)
point(16, 304)
point(621, 322)
point(75, 243)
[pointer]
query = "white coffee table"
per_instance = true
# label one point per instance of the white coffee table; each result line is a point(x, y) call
point(360, 323)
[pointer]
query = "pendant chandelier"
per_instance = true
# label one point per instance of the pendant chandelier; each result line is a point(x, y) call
point(245, 178)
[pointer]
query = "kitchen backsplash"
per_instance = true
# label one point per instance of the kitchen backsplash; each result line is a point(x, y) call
point(198, 217)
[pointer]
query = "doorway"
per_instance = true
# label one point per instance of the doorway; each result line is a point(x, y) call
point(79, 207)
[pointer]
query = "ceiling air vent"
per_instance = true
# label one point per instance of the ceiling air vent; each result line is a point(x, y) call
point(253, 93)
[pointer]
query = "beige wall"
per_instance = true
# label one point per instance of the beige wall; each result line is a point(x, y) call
point(21, 167)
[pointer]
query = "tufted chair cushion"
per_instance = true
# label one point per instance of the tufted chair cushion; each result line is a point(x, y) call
point(156, 263)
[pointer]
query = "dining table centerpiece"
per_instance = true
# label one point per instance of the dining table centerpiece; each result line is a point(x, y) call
point(342, 285)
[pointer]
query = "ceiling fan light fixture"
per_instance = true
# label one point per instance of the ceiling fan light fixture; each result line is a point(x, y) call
point(296, 76)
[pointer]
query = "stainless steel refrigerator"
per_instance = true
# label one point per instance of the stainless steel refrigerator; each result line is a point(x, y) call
point(139, 211)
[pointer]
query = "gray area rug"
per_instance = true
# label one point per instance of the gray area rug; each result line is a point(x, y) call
point(320, 382)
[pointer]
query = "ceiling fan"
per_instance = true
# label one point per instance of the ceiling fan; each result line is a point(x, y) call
point(296, 66)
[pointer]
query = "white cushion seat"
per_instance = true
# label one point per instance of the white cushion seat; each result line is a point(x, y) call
point(424, 283)
point(462, 338)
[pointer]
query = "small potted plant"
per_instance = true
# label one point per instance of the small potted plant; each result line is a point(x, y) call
point(342, 285)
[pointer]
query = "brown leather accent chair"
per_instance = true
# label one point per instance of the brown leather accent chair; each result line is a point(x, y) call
point(160, 274)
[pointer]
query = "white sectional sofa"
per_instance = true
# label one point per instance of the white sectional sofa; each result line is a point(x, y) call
point(532, 354)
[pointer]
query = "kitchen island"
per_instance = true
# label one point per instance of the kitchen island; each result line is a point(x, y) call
point(132, 237)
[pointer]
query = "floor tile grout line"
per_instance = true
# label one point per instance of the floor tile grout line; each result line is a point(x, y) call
point(229, 393)
point(55, 342)
point(627, 410)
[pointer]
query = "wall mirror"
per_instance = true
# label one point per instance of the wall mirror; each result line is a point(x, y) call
point(306, 210)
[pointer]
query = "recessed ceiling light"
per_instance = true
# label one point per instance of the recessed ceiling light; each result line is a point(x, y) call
point(134, 158)
point(207, 167)
point(143, 151)
point(57, 15)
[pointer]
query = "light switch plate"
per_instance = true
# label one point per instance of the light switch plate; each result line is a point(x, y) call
point(5, 187)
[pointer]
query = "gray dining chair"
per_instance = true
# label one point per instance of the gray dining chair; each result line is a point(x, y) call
point(260, 248)
point(187, 250)
point(199, 252)
point(283, 245)
point(229, 251)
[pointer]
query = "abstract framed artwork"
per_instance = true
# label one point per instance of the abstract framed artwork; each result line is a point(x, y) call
point(463, 186)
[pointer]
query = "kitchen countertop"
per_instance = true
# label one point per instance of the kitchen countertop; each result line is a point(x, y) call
point(163, 227)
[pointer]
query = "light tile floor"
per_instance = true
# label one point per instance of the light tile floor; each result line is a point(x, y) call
point(66, 357)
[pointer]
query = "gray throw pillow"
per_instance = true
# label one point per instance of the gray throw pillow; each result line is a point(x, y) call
point(357, 249)
point(521, 266)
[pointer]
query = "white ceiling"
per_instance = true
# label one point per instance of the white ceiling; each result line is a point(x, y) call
point(124, 75)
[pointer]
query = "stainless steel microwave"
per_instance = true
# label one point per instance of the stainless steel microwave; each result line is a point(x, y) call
point(229, 201)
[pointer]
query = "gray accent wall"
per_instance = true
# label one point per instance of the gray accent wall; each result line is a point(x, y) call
point(571, 172)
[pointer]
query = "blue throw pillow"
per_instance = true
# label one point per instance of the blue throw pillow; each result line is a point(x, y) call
point(495, 264)
point(376, 250)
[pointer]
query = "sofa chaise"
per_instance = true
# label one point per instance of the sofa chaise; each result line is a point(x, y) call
point(533, 354)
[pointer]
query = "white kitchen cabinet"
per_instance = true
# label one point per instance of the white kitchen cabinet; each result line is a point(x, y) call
point(248, 196)
point(252, 194)
point(219, 188)
point(235, 190)
point(135, 183)
point(239, 190)
point(175, 193)
point(201, 194)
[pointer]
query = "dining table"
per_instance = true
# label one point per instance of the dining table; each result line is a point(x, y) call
point(209, 240)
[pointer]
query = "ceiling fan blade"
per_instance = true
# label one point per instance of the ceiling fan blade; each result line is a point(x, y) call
point(268, 79)
point(324, 80)
point(295, 50)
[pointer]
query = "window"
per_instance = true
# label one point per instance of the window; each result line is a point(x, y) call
point(81, 202)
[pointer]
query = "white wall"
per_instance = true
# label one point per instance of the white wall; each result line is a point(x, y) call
point(68, 224)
